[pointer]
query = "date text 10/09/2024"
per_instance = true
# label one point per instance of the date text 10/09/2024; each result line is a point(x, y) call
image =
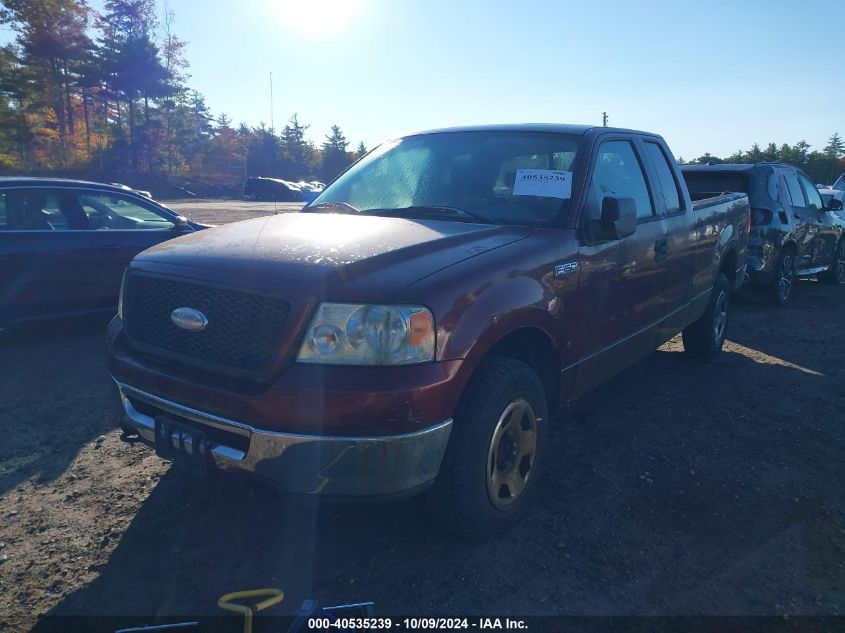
point(415, 624)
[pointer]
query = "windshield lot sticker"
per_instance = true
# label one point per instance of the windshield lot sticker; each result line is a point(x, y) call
point(548, 183)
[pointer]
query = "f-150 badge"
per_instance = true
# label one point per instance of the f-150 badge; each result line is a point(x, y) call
point(562, 270)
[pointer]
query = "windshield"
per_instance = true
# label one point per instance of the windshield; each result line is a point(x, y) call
point(497, 177)
point(839, 184)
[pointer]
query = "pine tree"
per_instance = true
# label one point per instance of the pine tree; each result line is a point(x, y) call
point(130, 59)
point(755, 154)
point(52, 44)
point(298, 153)
point(335, 158)
point(770, 154)
point(835, 147)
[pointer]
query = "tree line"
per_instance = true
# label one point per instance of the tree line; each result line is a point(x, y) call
point(106, 94)
point(86, 92)
point(822, 166)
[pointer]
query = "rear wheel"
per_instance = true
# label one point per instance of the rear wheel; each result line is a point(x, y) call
point(784, 277)
point(489, 474)
point(836, 273)
point(705, 337)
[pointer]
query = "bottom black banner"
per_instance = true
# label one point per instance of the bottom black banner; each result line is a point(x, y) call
point(384, 623)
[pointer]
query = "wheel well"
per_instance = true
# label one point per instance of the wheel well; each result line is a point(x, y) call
point(728, 267)
point(536, 349)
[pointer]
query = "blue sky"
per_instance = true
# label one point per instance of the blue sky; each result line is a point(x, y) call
point(711, 76)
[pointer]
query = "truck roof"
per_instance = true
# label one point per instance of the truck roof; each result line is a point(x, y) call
point(554, 128)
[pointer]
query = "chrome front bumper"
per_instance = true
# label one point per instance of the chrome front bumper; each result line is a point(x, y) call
point(306, 464)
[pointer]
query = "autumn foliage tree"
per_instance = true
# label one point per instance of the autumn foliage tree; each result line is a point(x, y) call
point(106, 94)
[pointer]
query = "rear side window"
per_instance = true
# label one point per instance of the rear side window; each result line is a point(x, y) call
point(671, 195)
point(773, 186)
point(32, 210)
point(794, 189)
point(814, 199)
point(617, 173)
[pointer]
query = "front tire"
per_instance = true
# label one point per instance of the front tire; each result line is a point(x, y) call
point(836, 273)
point(705, 337)
point(489, 474)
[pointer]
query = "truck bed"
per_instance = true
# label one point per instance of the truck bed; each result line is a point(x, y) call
point(704, 199)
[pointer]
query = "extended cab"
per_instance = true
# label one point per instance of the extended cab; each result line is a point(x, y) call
point(415, 326)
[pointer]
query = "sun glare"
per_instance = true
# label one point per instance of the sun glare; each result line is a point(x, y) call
point(316, 15)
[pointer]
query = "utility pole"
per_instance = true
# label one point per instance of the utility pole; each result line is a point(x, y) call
point(272, 127)
point(604, 119)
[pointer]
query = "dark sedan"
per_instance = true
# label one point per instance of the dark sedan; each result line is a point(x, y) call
point(794, 233)
point(64, 244)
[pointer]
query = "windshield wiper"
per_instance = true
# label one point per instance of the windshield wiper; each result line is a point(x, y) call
point(343, 207)
point(423, 209)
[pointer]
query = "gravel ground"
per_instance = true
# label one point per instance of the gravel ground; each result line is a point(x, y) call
point(224, 211)
point(680, 487)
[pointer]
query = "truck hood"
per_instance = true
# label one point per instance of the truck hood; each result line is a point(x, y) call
point(342, 257)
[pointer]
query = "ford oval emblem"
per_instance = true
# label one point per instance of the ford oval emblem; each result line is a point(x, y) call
point(189, 319)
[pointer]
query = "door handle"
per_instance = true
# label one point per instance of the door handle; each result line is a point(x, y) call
point(661, 250)
point(109, 247)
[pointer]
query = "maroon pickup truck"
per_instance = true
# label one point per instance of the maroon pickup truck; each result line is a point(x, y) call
point(414, 327)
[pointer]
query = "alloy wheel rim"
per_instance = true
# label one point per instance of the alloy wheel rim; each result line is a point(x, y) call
point(785, 281)
point(720, 320)
point(511, 454)
point(840, 263)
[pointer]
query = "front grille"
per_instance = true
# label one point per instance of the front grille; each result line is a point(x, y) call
point(243, 334)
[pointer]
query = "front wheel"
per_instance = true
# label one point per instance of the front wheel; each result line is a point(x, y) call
point(489, 474)
point(836, 273)
point(705, 337)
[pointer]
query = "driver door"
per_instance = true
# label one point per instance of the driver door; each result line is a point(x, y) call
point(622, 281)
point(121, 227)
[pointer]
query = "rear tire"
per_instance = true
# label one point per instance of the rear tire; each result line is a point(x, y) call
point(836, 273)
point(784, 277)
point(705, 337)
point(489, 474)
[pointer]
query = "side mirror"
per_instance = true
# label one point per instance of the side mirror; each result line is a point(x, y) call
point(834, 205)
point(618, 217)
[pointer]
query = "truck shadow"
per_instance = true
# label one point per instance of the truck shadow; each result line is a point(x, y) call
point(671, 489)
point(53, 388)
point(806, 332)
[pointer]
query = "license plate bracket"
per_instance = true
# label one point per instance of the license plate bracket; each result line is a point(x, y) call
point(182, 444)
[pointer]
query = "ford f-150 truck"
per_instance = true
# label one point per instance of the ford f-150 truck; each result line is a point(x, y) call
point(414, 327)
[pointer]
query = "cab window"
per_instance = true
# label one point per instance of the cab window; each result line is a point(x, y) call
point(617, 173)
point(671, 193)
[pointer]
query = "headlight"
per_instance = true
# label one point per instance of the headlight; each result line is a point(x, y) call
point(355, 334)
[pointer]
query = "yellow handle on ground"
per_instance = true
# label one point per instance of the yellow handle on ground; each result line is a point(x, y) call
point(274, 596)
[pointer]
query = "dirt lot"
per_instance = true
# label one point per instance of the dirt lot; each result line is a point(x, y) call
point(223, 211)
point(680, 487)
